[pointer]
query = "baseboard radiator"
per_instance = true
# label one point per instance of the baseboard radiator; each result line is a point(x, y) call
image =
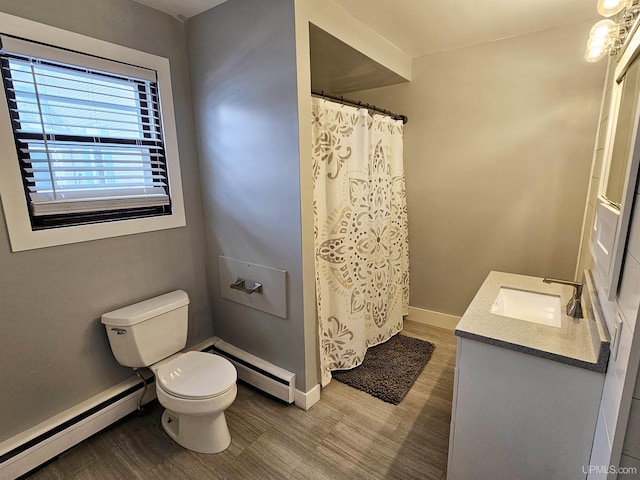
point(38, 445)
point(265, 376)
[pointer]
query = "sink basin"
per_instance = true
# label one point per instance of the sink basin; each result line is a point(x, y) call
point(540, 308)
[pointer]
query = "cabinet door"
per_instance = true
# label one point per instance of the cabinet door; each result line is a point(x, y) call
point(521, 416)
point(616, 400)
point(614, 380)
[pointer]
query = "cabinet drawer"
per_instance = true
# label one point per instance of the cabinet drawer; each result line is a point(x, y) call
point(620, 352)
point(621, 339)
point(629, 296)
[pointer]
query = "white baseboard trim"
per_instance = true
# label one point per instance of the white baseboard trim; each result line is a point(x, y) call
point(263, 375)
point(306, 400)
point(435, 319)
point(30, 449)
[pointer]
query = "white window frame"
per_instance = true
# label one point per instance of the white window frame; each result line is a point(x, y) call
point(14, 203)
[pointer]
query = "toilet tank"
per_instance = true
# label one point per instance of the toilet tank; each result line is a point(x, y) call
point(146, 332)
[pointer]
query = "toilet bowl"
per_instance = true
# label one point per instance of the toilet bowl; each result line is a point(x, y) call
point(196, 388)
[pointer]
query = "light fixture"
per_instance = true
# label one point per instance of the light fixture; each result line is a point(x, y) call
point(608, 37)
point(608, 8)
point(605, 28)
point(594, 54)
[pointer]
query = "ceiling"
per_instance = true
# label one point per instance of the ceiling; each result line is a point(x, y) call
point(181, 9)
point(421, 27)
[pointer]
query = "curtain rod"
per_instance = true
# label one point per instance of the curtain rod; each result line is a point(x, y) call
point(353, 103)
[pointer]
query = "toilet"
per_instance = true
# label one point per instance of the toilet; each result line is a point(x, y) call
point(195, 388)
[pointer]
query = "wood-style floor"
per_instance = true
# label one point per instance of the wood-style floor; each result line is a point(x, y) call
point(347, 435)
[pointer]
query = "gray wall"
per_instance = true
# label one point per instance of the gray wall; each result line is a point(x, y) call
point(54, 352)
point(243, 80)
point(497, 155)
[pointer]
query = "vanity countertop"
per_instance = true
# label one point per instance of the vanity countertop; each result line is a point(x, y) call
point(581, 342)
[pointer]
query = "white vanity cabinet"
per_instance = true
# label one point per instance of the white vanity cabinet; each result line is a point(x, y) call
point(526, 395)
point(518, 416)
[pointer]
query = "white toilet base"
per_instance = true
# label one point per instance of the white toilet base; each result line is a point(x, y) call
point(202, 433)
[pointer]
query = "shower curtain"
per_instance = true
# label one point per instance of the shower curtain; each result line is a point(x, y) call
point(360, 229)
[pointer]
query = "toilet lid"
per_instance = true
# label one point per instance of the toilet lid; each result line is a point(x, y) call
point(197, 375)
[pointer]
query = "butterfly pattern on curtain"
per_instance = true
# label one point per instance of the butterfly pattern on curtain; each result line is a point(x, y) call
point(360, 231)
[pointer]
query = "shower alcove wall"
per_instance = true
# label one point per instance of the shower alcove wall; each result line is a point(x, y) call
point(339, 69)
point(252, 102)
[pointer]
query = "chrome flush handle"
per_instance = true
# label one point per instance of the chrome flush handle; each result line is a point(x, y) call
point(240, 285)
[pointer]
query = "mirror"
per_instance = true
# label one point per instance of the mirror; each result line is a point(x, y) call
point(624, 134)
point(622, 150)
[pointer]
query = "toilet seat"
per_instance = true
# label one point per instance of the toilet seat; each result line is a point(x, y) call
point(197, 376)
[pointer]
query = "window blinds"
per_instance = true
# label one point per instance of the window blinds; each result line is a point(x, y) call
point(87, 130)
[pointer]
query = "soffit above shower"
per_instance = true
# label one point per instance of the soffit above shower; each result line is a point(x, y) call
point(338, 68)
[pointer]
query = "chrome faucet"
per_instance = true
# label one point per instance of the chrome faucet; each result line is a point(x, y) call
point(574, 307)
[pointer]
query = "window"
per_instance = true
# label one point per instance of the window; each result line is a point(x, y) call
point(92, 157)
point(89, 142)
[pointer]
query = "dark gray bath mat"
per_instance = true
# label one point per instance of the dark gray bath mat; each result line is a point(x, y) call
point(389, 369)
